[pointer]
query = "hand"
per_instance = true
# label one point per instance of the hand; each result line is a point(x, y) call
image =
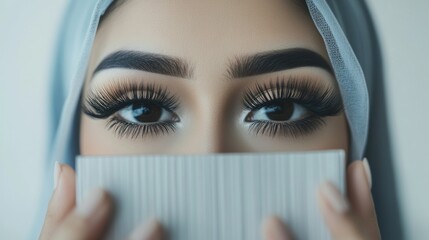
point(353, 219)
point(90, 220)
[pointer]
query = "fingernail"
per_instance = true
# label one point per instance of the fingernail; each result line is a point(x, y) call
point(57, 173)
point(367, 172)
point(147, 230)
point(334, 197)
point(89, 206)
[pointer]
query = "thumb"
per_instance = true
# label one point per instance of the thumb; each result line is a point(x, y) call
point(62, 200)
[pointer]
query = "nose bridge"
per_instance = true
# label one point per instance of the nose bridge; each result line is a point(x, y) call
point(212, 128)
point(214, 104)
point(211, 131)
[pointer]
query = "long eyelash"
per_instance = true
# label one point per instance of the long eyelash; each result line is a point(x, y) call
point(292, 129)
point(321, 100)
point(107, 100)
point(128, 129)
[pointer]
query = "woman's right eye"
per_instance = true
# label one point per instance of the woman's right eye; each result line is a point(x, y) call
point(278, 111)
point(147, 112)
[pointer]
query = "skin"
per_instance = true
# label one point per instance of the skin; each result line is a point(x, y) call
point(211, 117)
point(208, 97)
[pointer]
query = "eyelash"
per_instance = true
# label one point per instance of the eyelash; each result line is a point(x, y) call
point(320, 100)
point(108, 100)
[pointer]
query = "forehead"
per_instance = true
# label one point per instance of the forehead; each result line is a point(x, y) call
point(205, 31)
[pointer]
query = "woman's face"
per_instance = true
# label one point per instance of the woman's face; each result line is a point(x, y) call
point(196, 76)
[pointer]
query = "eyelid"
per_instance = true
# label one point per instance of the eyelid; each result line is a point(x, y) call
point(325, 100)
point(104, 101)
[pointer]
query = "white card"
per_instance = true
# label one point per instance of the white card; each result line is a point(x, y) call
point(214, 196)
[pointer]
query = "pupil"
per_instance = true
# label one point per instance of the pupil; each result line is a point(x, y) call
point(146, 112)
point(280, 111)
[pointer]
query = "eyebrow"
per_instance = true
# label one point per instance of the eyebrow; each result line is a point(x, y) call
point(240, 66)
point(149, 62)
point(278, 60)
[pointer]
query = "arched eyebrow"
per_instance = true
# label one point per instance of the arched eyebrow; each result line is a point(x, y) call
point(273, 61)
point(148, 62)
point(240, 66)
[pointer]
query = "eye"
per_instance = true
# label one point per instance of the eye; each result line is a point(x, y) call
point(133, 109)
point(147, 112)
point(290, 108)
point(278, 111)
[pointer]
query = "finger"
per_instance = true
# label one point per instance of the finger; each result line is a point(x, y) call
point(359, 194)
point(150, 230)
point(338, 215)
point(273, 228)
point(88, 220)
point(62, 200)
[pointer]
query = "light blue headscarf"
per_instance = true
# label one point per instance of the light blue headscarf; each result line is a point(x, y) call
point(76, 40)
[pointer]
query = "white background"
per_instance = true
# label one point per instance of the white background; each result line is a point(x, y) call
point(27, 33)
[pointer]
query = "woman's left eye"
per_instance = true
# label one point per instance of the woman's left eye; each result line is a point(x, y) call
point(278, 111)
point(147, 112)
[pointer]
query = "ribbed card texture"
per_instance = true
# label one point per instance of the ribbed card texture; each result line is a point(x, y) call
point(215, 196)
